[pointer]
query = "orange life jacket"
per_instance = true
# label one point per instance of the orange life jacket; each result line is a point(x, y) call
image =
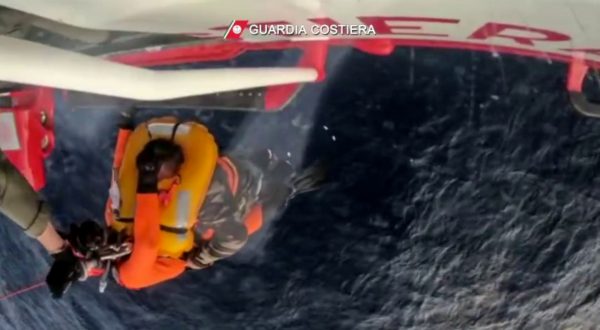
point(163, 232)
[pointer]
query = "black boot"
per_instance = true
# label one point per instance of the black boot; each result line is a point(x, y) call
point(278, 190)
point(309, 179)
point(66, 269)
point(70, 263)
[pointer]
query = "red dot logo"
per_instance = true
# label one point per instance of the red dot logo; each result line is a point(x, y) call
point(236, 29)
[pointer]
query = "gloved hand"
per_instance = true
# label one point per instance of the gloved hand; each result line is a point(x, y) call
point(86, 237)
point(229, 238)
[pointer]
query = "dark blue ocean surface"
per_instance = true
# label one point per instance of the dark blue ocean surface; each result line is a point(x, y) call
point(463, 194)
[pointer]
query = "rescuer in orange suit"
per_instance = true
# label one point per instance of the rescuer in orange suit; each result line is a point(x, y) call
point(164, 172)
